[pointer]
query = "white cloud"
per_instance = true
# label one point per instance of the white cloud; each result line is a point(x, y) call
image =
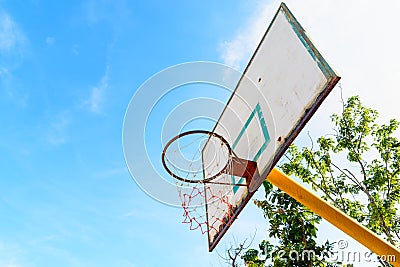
point(4, 71)
point(8, 35)
point(58, 127)
point(50, 40)
point(75, 50)
point(237, 52)
point(18, 96)
point(12, 43)
point(8, 264)
point(9, 255)
point(359, 39)
point(13, 47)
point(11, 37)
point(95, 11)
point(96, 98)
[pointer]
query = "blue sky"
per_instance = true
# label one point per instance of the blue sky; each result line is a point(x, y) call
point(67, 73)
point(68, 70)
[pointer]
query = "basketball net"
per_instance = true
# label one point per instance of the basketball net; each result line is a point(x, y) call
point(206, 171)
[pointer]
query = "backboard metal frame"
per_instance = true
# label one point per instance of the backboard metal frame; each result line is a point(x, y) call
point(331, 80)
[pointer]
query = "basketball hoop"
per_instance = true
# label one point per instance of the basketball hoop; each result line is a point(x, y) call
point(221, 159)
point(203, 163)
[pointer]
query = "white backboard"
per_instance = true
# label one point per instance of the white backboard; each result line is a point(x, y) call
point(284, 83)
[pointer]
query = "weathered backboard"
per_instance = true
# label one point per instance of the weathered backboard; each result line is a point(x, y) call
point(284, 83)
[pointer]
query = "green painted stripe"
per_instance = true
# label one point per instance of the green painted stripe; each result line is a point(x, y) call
point(312, 50)
point(257, 110)
point(244, 128)
point(264, 129)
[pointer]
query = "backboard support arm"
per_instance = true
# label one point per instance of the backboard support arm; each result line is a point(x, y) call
point(333, 215)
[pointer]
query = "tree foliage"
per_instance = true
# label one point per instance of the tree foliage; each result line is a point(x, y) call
point(357, 169)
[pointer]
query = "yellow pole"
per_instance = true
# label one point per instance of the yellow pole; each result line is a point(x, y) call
point(335, 216)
